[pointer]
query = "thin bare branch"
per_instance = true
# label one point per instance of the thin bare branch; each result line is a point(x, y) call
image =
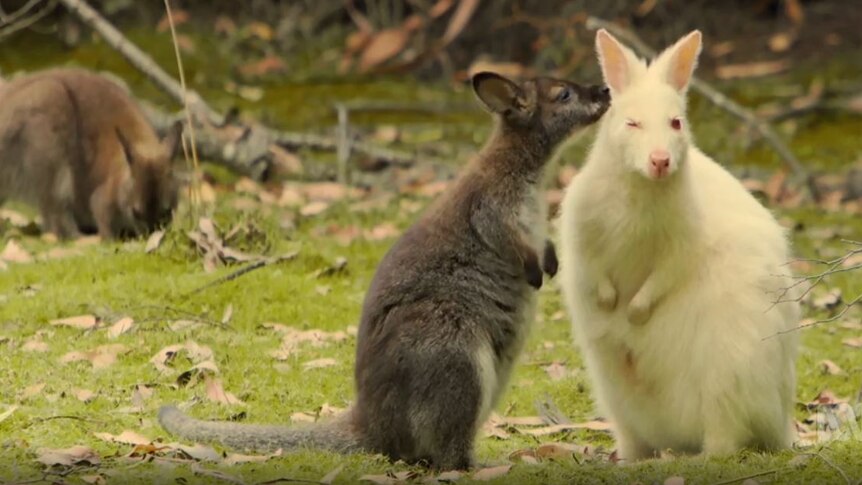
point(18, 23)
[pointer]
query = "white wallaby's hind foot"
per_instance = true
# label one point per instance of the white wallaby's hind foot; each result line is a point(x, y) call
point(656, 228)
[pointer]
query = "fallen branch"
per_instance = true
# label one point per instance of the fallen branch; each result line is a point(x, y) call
point(719, 99)
point(245, 270)
point(247, 149)
point(243, 148)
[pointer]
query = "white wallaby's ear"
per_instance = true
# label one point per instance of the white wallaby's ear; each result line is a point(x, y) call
point(676, 64)
point(497, 93)
point(619, 64)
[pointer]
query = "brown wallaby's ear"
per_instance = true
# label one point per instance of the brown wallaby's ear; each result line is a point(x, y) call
point(497, 93)
point(128, 151)
point(173, 138)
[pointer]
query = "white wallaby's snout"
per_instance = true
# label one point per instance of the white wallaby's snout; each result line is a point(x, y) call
point(659, 163)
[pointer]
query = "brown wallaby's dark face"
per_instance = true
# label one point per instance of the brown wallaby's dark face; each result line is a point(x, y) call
point(544, 107)
point(154, 187)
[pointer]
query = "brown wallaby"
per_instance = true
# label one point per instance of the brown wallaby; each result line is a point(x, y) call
point(452, 301)
point(77, 146)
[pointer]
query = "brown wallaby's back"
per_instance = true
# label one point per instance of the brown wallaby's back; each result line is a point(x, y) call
point(76, 145)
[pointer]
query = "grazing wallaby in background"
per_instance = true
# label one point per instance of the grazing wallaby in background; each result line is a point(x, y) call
point(452, 301)
point(77, 146)
point(670, 270)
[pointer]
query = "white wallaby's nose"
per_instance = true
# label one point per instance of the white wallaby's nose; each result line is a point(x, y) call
point(659, 163)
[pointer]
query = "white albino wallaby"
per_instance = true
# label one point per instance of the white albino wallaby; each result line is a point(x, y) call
point(669, 269)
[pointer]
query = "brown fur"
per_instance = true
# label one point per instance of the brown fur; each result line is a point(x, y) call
point(452, 301)
point(76, 145)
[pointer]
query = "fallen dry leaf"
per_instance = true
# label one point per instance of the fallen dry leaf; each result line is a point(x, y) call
point(101, 357)
point(313, 209)
point(120, 327)
point(83, 322)
point(828, 301)
point(154, 241)
point(196, 353)
point(127, 437)
point(178, 16)
point(215, 392)
point(491, 473)
point(556, 371)
point(236, 458)
point(553, 451)
point(35, 344)
point(140, 394)
point(831, 368)
point(76, 455)
point(31, 391)
point(197, 452)
point(84, 395)
point(526, 455)
point(387, 230)
point(450, 476)
point(674, 481)
point(14, 218)
point(268, 65)
point(751, 69)
point(383, 46)
point(286, 162)
point(319, 363)
point(61, 253)
point(302, 417)
point(14, 253)
point(781, 41)
point(293, 339)
point(854, 342)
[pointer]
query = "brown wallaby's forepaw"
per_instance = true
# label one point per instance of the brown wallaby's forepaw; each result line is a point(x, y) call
point(550, 264)
point(533, 271)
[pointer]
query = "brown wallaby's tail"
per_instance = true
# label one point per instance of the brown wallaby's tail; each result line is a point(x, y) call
point(336, 435)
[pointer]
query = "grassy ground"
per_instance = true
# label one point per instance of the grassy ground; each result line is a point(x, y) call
point(112, 281)
point(115, 280)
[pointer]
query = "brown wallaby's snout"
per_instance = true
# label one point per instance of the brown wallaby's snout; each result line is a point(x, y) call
point(548, 108)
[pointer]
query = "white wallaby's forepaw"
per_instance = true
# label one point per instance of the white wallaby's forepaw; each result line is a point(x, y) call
point(639, 310)
point(607, 295)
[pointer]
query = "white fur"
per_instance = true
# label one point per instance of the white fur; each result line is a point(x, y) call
point(683, 362)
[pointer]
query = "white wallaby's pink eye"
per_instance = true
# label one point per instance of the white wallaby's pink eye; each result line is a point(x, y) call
point(632, 123)
point(676, 124)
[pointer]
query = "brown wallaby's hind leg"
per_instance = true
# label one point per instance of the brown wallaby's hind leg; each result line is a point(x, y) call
point(446, 405)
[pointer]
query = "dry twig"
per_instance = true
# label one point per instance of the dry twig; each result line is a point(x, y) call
point(833, 266)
